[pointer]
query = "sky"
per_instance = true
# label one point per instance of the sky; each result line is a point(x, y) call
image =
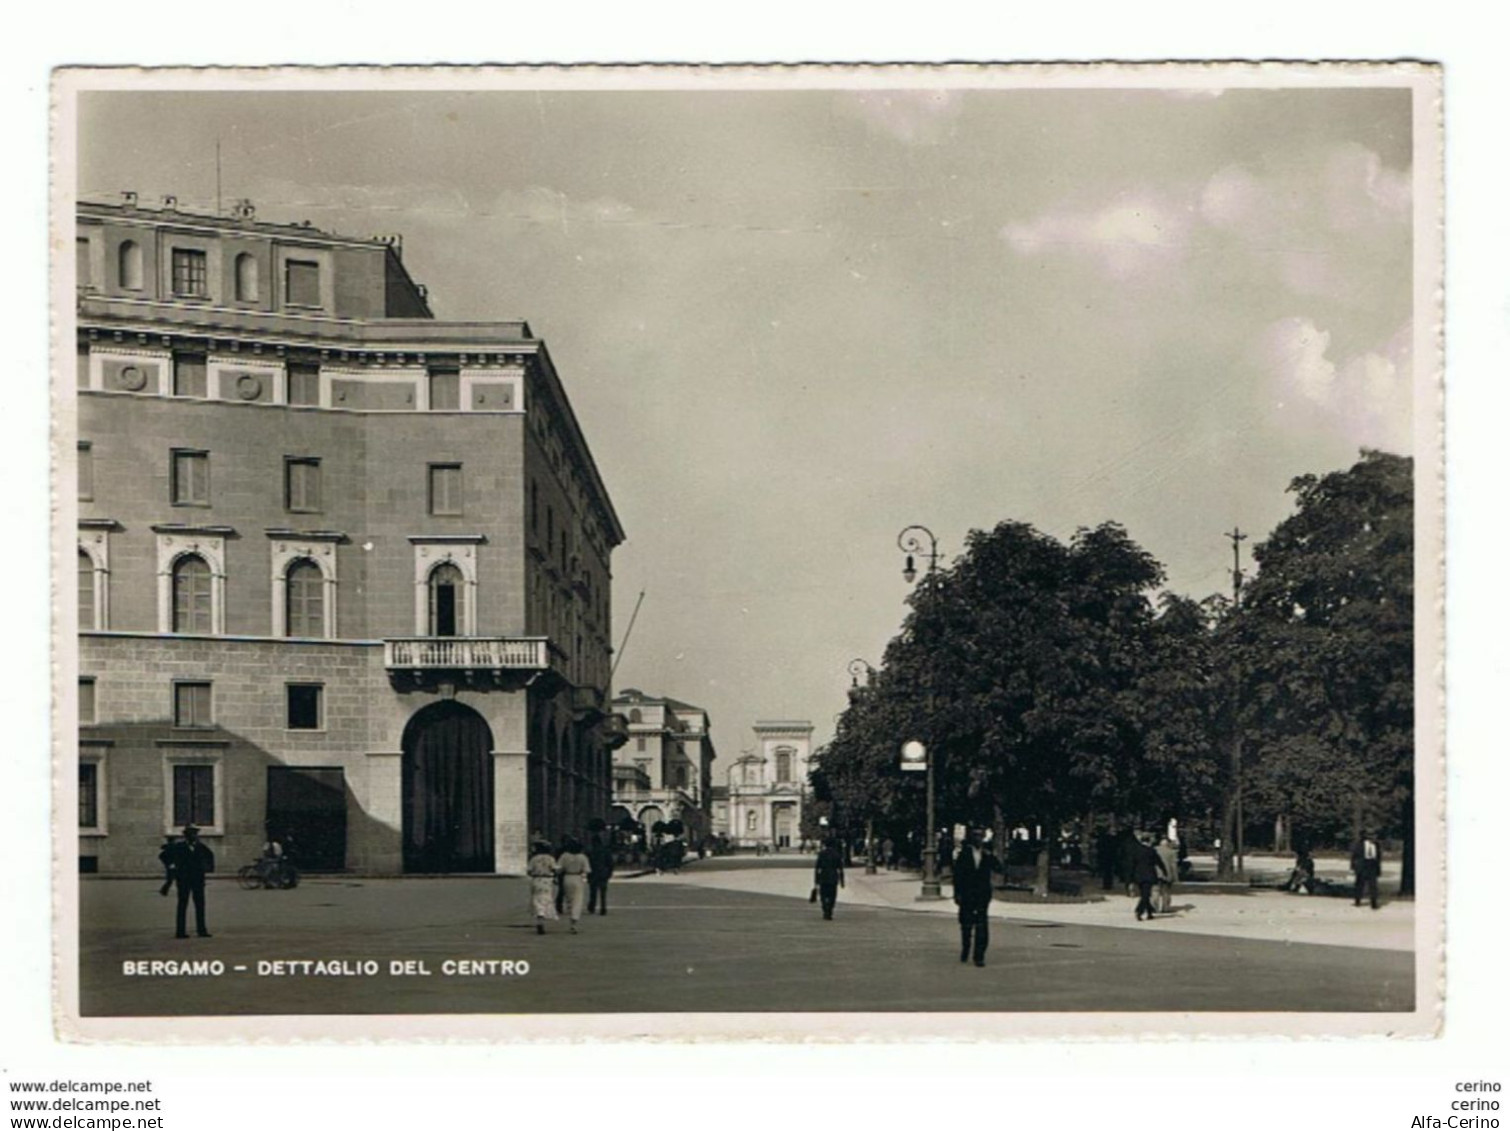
point(793, 322)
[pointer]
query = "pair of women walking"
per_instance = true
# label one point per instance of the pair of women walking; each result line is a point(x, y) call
point(571, 870)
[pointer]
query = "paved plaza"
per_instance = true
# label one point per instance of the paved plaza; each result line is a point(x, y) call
point(722, 938)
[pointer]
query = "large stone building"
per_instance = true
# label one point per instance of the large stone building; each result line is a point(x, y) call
point(665, 770)
point(768, 785)
point(343, 568)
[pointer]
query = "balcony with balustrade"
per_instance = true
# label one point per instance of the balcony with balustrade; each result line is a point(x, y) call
point(482, 662)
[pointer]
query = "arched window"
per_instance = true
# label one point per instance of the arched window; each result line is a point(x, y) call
point(246, 277)
point(191, 595)
point(86, 592)
point(446, 598)
point(131, 265)
point(783, 765)
point(635, 716)
point(305, 599)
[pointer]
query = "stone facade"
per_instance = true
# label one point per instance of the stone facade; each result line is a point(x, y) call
point(665, 769)
point(329, 548)
point(767, 787)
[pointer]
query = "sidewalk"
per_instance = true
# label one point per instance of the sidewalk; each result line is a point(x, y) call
point(1271, 915)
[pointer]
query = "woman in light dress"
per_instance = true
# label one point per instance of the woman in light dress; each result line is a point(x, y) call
point(574, 868)
point(541, 870)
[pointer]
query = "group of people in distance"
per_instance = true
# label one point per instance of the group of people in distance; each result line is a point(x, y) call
point(569, 881)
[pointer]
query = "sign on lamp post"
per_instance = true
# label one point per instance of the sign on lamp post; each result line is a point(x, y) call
point(915, 756)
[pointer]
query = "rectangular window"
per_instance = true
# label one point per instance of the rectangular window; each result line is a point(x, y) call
point(82, 263)
point(445, 488)
point(191, 705)
point(89, 795)
point(302, 280)
point(445, 389)
point(639, 743)
point(86, 470)
point(86, 699)
point(194, 794)
point(191, 275)
point(304, 384)
point(189, 379)
point(305, 703)
point(301, 483)
point(191, 478)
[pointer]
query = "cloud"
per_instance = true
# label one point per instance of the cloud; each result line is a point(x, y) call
point(1367, 396)
point(1136, 236)
point(1318, 223)
point(917, 117)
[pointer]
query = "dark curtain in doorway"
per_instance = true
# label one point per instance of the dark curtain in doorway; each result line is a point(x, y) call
point(448, 791)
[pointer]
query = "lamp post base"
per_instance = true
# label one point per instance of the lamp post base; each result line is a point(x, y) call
point(932, 890)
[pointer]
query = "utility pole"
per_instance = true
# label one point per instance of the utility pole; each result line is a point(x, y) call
point(1237, 537)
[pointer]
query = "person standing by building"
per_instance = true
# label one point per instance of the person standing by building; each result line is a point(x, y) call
point(1367, 860)
point(974, 868)
point(165, 855)
point(1170, 856)
point(600, 856)
point(188, 862)
point(1147, 867)
point(828, 875)
point(574, 868)
point(541, 870)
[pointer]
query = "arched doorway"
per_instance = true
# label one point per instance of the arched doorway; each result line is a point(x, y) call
point(448, 790)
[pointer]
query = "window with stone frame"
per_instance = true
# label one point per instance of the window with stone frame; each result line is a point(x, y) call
point(88, 610)
point(191, 478)
point(445, 488)
point(191, 273)
point(193, 596)
point(86, 699)
point(89, 795)
point(86, 470)
point(192, 704)
point(306, 706)
point(301, 484)
point(305, 597)
point(301, 282)
point(303, 384)
point(194, 794)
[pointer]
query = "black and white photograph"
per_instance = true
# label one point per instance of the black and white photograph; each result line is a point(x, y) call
point(805, 551)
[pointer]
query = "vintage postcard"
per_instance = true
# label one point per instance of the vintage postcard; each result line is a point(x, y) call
point(798, 553)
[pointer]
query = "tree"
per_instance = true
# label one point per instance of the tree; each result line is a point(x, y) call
point(1019, 667)
point(1326, 640)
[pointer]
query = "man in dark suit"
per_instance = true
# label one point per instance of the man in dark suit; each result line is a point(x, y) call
point(1367, 859)
point(1148, 869)
point(828, 875)
point(600, 857)
point(974, 868)
point(188, 862)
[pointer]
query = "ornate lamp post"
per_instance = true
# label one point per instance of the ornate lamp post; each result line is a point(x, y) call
point(858, 668)
point(910, 542)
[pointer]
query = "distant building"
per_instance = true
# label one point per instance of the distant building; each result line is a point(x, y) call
point(767, 786)
point(343, 569)
point(664, 771)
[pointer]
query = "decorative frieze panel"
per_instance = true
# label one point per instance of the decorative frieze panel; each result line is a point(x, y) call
point(493, 390)
point(123, 369)
point(235, 380)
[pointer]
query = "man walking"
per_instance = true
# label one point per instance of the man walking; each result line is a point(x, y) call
point(1148, 869)
point(973, 870)
point(828, 875)
point(600, 856)
point(188, 862)
point(1366, 864)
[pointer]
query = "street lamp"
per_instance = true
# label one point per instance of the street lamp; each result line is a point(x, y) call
point(910, 542)
point(857, 668)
